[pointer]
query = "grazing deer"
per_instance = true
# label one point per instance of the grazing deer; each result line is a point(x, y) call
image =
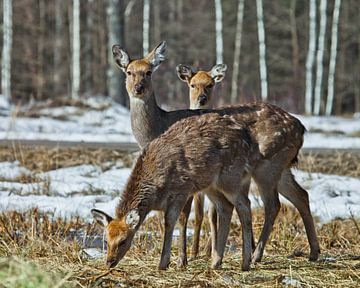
point(201, 84)
point(211, 153)
point(278, 134)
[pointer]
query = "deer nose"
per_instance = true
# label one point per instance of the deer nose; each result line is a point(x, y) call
point(139, 88)
point(202, 99)
point(110, 263)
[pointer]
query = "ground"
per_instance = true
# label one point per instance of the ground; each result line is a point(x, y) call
point(60, 252)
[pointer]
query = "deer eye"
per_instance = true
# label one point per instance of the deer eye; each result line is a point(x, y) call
point(192, 86)
point(128, 73)
point(210, 86)
point(148, 73)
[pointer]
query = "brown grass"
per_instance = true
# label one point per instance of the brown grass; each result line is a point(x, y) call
point(339, 163)
point(33, 110)
point(55, 246)
point(43, 159)
point(51, 244)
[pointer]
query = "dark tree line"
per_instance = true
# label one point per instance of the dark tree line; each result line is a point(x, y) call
point(42, 63)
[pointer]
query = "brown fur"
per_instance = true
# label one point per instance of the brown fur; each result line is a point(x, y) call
point(194, 154)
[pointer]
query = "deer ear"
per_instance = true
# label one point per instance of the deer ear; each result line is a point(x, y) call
point(132, 219)
point(157, 56)
point(101, 217)
point(121, 57)
point(184, 72)
point(218, 72)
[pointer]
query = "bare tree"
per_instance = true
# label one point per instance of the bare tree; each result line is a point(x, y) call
point(115, 23)
point(310, 58)
point(6, 51)
point(237, 50)
point(262, 50)
point(75, 84)
point(333, 53)
point(319, 57)
point(58, 44)
point(296, 86)
point(146, 25)
point(218, 29)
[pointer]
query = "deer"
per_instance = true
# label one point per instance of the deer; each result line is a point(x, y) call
point(201, 84)
point(171, 169)
point(274, 130)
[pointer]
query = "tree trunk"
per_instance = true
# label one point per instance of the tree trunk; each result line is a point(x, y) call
point(219, 36)
point(7, 50)
point(237, 50)
point(40, 52)
point(58, 46)
point(295, 56)
point(310, 58)
point(333, 52)
point(75, 85)
point(115, 22)
point(262, 50)
point(146, 25)
point(88, 51)
point(319, 57)
point(157, 21)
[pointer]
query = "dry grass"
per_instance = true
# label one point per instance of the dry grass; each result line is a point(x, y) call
point(33, 110)
point(43, 159)
point(339, 163)
point(55, 246)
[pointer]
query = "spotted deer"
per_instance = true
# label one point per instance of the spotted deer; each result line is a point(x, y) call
point(201, 84)
point(211, 153)
point(278, 135)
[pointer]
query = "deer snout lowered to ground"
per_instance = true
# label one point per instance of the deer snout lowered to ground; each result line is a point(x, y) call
point(211, 153)
point(278, 134)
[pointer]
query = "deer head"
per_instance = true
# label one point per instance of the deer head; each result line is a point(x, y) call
point(201, 83)
point(138, 72)
point(119, 234)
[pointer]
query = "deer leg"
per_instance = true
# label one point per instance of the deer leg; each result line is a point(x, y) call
point(243, 210)
point(292, 191)
point(183, 220)
point(224, 211)
point(237, 195)
point(210, 243)
point(199, 216)
point(270, 198)
point(171, 216)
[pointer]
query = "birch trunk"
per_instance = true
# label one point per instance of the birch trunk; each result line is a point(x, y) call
point(146, 25)
point(319, 57)
point(310, 58)
point(262, 50)
point(237, 50)
point(218, 29)
point(75, 86)
point(333, 54)
point(6, 51)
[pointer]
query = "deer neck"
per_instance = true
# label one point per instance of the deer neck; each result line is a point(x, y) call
point(140, 192)
point(146, 119)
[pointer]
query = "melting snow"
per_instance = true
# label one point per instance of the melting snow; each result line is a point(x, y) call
point(74, 191)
